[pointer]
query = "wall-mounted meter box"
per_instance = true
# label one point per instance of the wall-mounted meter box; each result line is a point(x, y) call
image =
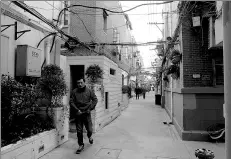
point(28, 61)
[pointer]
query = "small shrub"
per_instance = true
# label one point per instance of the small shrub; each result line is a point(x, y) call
point(94, 73)
point(17, 101)
point(165, 78)
point(128, 90)
point(174, 53)
point(52, 84)
point(16, 98)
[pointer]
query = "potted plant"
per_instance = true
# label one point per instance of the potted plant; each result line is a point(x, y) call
point(94, 73)
point(174, 70)
point(126, 90)
point(165, 78)
point(114, 52)
point(53, 88)
point(175, 56)
point(204, 154)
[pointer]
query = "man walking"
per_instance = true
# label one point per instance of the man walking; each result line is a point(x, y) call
point(137, 93)
point(83, 100)
point(144, 92)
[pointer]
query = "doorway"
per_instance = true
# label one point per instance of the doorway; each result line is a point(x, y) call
point(76, 71)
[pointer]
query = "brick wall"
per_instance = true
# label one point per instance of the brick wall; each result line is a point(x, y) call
point(196, 59)
point(76, 26)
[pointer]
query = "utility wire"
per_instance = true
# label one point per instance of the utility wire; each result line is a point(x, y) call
point(48, 22)
point(104, 9)
point(41, 17)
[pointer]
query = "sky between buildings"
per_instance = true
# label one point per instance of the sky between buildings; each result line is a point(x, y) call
point(142, 31)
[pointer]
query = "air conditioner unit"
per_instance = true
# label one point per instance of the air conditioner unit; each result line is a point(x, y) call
point(28, 61)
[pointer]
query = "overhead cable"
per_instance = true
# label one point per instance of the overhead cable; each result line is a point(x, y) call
point(41, 17)
point(105, 9)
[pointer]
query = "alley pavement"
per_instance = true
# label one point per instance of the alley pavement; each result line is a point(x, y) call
point(138, 133)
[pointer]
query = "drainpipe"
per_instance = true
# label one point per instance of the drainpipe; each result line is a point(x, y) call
point(171, 100)
point(226, 13)
point(47, 50)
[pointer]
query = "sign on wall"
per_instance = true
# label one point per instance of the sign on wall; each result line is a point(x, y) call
point(28, 61)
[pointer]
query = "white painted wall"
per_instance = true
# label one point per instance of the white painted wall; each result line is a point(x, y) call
point(170, 19)
point(218, 24)
point(218, 30)
point(112, 84)
point(31, 38)
point(125, 75)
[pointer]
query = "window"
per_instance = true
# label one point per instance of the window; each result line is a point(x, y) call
point(112, 71)
point(106, 100)
point(219, 71)
point(122, 80)
point(218, 68)
point(105, 21)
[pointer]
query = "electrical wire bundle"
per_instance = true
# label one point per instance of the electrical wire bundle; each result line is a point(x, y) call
point(63, 34)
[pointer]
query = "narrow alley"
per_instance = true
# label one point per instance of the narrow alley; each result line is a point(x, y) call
point(138, 133)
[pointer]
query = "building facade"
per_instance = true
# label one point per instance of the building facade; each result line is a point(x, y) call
point(21, 28)
point(103, 32)
point(195, 100)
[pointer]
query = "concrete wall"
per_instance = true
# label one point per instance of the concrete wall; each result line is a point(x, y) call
point(125, 101)
point(194, 112)
point(125, 77)
point(177, 109)
point(218, 30)
point(218, 24)
point(202, 110)
point(111, 84)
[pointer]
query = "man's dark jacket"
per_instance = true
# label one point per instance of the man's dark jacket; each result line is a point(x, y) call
point(83, 98)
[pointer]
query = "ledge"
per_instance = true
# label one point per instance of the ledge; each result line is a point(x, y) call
point(202, 90)
point(190, 135)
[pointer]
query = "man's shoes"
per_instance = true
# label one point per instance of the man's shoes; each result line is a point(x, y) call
point(80, 149)
point(91, 140)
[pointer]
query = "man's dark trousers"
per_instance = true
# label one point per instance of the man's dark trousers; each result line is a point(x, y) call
point(80, 120)
point(137, 96)
point(144, 95)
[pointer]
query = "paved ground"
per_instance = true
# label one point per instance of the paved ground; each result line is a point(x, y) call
point(139, 133)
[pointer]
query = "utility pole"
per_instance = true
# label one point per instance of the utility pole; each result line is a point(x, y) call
point(226, 13)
